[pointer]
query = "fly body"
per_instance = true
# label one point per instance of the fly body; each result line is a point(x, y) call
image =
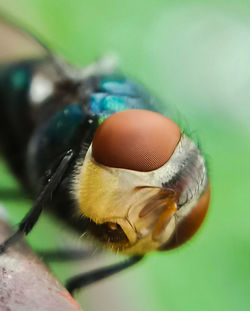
point(92, 147)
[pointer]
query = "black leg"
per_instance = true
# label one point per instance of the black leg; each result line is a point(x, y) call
point(45, 196)
point(88, 278)
point(65, 254)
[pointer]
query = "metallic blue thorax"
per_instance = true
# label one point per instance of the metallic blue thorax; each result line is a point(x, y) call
point(112, 94)
point(117, 94)
point(76, 123)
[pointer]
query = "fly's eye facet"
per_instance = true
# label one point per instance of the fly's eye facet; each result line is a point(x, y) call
point(191, 223)
point(138, 140)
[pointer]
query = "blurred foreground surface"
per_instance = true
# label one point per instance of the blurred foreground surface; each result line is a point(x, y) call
point(196, 57)
point(26, 284)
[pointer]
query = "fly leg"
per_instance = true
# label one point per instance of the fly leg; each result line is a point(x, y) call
point(82, 280)
point(61, 255)
point(45, 196)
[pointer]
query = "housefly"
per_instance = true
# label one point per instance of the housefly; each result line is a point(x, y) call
point(91, 146)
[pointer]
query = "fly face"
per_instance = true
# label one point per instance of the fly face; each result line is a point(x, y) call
point(140, 182)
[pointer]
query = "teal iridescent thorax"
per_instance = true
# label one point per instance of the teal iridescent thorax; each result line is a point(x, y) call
point(14, 85)
point(17, 76)
point(117, 94)
point(77, 122)
point(63, 125)
point(112, 94)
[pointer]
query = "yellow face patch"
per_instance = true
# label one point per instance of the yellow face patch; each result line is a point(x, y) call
point(98, 194)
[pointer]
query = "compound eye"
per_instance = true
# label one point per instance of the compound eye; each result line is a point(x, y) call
point(191, 223)
point(139, 140)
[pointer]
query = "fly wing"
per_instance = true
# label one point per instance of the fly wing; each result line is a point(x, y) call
point(18, 44)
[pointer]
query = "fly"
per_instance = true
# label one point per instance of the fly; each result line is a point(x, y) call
point(91, 147)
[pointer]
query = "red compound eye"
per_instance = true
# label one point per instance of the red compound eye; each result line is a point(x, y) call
point(138, 140)
point(191, 223)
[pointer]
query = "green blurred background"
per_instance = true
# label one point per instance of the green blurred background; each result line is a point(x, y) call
point(195, 55)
